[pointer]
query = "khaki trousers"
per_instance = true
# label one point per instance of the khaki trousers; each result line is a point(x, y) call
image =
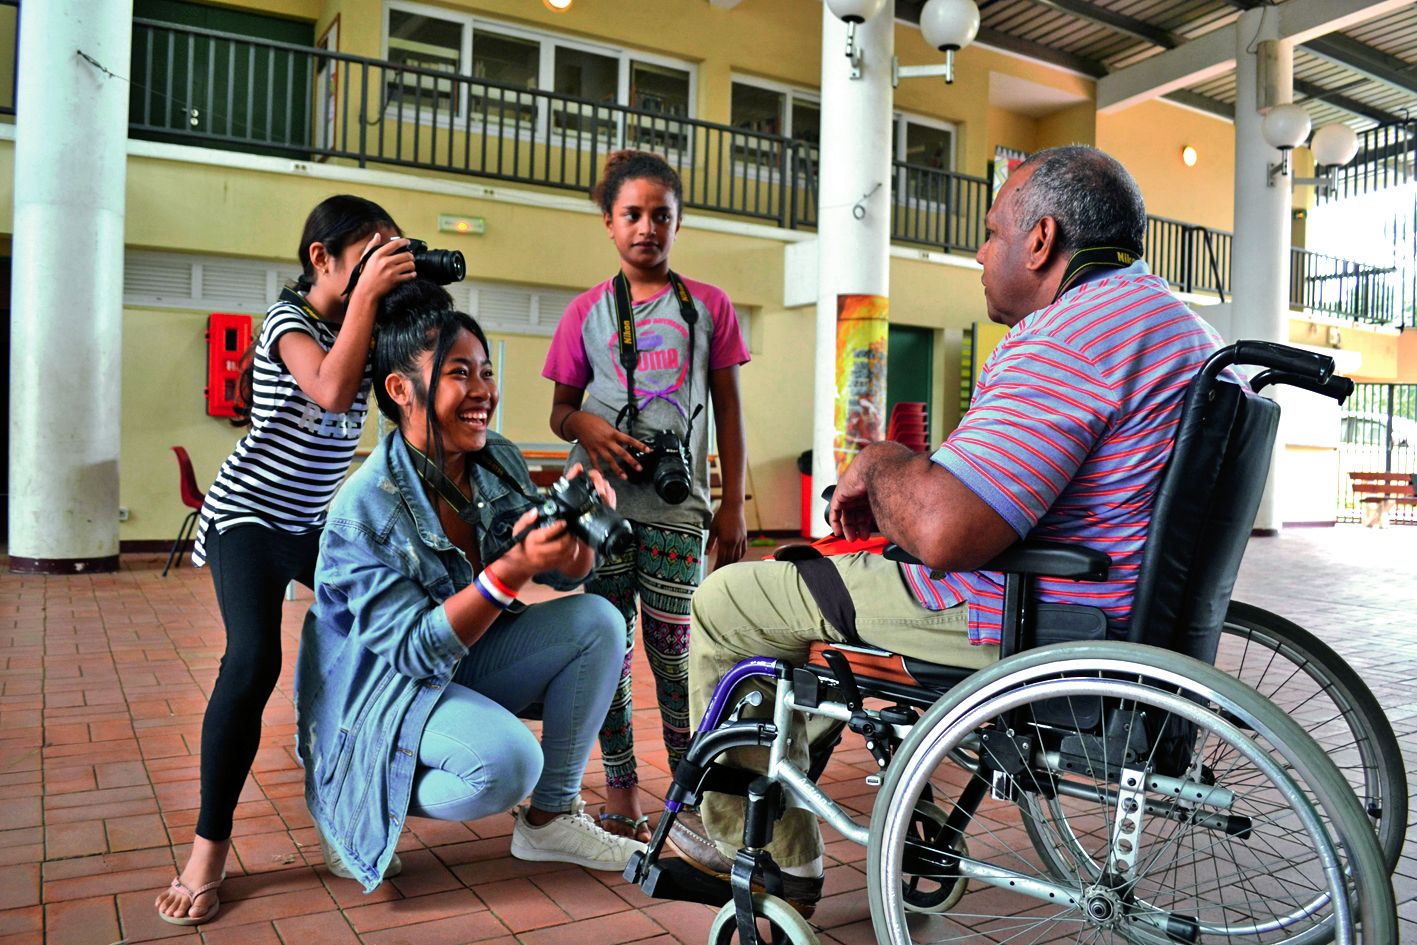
point(763, 608)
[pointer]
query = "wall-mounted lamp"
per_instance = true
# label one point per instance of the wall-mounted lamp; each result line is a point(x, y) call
point(1189, 156)
point(853, 13)
point(558, 6)
point(1333, 145)
point(947, 25)
point(1285, 128)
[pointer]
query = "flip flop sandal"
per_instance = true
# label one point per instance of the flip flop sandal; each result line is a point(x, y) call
point(634, 823)
point(192, 895)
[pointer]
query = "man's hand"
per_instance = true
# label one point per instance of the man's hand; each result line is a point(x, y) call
point(608, 447)
point(728, 535)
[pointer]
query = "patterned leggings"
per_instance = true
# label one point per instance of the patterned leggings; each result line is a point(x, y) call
point(661, 574)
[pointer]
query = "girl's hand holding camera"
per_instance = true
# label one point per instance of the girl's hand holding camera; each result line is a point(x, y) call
point(383, 268)
point(608, 447)
point(552, 547)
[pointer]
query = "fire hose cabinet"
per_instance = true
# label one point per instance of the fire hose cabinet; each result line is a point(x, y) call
point(228, 337)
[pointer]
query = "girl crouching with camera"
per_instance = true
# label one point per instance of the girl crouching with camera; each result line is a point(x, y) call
point(416, 657)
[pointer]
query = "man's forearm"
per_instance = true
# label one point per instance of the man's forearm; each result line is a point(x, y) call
point(894, 477)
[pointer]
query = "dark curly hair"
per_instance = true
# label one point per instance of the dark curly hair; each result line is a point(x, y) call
point(629, 164)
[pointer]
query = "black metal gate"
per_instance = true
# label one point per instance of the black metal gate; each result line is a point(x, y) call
point(1378, 435)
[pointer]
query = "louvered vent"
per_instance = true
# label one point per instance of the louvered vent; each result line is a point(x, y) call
point(154, 278)
point(237, 282)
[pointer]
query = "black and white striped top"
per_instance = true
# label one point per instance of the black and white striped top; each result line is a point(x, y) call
point(285, 470)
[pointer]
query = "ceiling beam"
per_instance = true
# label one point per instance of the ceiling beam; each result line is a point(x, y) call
point(1364, 59)
point(1317, 93)
point(1031, 50)
point(1117, 22)
point(1214, 53)
point(1201, 103)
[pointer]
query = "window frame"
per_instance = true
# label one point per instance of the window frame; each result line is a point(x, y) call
point(547, 42)
point(769, 172)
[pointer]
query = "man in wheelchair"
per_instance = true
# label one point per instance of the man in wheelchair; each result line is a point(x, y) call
point(1069, 431)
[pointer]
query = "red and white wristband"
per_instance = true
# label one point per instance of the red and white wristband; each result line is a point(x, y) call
point(498, 594)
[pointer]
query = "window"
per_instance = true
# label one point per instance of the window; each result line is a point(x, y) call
point(533, 83)
point(761, 109)
point(424, 43)
point(927, 147)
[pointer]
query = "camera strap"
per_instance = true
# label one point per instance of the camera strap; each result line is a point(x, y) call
point(1088, 261)
point(460, 502)
point(628, 341)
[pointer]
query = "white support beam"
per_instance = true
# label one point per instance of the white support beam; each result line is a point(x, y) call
point(1214, 53)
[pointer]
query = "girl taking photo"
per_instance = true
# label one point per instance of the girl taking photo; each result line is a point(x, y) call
point(307, 388)
point(416, 658)
point(635, 359)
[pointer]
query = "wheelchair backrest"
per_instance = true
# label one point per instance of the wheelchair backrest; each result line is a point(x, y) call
point(1204, 512)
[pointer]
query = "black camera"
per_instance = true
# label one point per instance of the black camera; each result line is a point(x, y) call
point(437, 265)
point(667, 465)
point(575, 502)
point(440, 266)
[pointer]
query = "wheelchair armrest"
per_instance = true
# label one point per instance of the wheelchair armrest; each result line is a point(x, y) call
point(1035, 558)
point(1052, 559)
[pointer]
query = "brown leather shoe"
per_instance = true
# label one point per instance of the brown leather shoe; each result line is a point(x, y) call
point(691, 841)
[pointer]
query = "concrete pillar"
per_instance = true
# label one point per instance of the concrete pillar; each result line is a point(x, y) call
point(855, 171)
point(67, 291)
point(1259, 284)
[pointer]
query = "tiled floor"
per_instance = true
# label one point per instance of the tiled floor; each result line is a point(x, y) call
point(103, 680)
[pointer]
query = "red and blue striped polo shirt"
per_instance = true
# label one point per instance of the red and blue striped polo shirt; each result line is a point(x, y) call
point(1068, 433)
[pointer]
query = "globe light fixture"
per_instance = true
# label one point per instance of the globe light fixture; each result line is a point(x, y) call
point(947, 25)
point(853, 13)
point(558, 6)
point(1333, 146)
point(1189, 156)
point(1285, 128)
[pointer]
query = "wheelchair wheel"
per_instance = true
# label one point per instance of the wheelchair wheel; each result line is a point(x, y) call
point(778, 924)
point(1229, 846)
point(936, 892)
point(1304, 677)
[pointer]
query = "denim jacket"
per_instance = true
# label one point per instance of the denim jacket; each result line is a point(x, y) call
point(377, 648)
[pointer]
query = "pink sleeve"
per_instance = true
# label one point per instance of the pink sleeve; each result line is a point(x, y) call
point(566, 361)
point(728, 347)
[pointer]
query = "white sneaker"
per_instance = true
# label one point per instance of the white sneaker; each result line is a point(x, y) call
point(337, 867)
point(573, 838)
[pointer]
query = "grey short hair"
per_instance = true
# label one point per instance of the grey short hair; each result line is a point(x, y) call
point(1088, 192)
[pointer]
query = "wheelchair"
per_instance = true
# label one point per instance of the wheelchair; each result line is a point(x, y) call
point(1082, 788)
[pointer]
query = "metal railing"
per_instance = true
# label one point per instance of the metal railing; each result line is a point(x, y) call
point(1342, 287)
point(1192, 258)
point(197, 86)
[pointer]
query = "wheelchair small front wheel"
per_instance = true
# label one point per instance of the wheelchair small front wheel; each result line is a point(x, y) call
point(778, 924)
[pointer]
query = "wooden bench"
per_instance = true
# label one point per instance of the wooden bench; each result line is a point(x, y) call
point(1381, 493)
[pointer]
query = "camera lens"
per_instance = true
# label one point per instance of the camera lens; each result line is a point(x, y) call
point(440, 265)
point(609, 534)
point(671, 480)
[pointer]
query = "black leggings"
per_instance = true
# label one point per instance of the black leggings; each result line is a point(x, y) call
point(251, 567)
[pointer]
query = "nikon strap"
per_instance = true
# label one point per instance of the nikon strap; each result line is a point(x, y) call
point(628, 340)
point(1086, 262)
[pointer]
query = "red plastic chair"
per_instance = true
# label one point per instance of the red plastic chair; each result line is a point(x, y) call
point(192, 498)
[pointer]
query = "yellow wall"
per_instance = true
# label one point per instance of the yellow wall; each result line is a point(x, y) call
point(1148, 138)
point(257, 214)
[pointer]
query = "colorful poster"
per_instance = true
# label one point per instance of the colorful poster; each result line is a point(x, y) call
point(862, 325)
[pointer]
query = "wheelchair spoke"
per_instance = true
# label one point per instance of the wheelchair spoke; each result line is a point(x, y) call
point(1148, 819)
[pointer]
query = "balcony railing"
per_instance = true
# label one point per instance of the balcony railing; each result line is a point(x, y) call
point(202, 87)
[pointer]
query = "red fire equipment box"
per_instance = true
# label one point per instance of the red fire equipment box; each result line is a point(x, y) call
point(228, 337)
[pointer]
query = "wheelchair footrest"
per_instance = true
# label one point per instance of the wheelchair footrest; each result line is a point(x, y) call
point(674, 879)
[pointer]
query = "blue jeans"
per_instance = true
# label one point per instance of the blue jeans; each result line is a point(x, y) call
point(476, 758)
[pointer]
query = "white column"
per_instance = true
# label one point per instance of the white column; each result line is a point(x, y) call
point(67, 291)
point(853, 254)
point(1260, 254)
